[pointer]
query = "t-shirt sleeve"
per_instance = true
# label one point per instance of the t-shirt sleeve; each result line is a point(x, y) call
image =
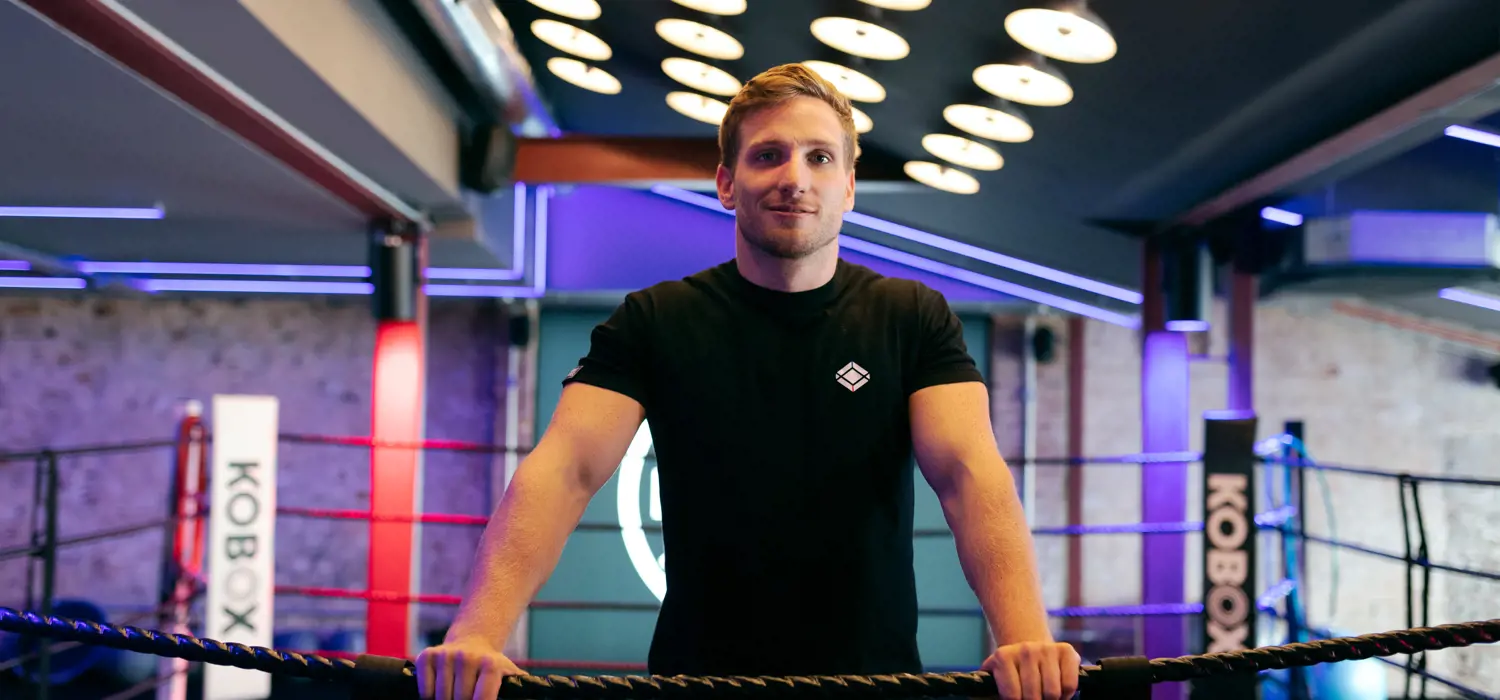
point(618, 352)
point(941, 355)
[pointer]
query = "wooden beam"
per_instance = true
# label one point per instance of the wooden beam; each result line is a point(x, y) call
point(633, 160)
point(133, 44)
point(1416, 119)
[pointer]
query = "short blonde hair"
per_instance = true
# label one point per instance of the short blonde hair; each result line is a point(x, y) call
point(775, 86)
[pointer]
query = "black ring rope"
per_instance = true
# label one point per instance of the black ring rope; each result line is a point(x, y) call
point(394, 678)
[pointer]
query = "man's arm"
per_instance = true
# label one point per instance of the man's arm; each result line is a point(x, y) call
point(583, 444)
point(955, 449)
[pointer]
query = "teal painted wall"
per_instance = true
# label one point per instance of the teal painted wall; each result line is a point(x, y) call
point(596, 569)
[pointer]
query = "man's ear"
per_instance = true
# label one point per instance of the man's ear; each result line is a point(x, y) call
point(724, 181)
point(849, 192)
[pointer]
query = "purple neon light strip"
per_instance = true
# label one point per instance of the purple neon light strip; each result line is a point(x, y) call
point(933, 266)
point(1475, 135)
point(83, 212)
point(1281, 216)
point(978, 280)
point(42, 282)
point(1464, 296)
point(226, 269)
point(539, 263)
point(1125, 529)
point(941, 243)
point(1153, 610)
point(254, 286)
point(467, 274)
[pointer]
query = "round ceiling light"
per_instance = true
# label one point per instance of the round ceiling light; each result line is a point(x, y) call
point(570, 39)
point(854, 84)
point(1071, 34)
point(860, 38)
point(901, 5)
point(941, 177)
point(700, 76)
point(1032, 84)
point(581, 10)
point(584, 75)
point(700, 39)
point(714, 7)
point(963, 152)
point(694, 106)
point(1005, 125)
point(862, 122)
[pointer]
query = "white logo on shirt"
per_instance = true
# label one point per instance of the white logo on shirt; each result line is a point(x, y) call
point(852, 376)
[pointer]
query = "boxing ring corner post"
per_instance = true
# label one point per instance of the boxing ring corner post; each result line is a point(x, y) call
point(1229, 548)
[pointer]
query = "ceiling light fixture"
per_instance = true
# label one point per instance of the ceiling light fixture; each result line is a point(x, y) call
point(714, 7)
point(1002, 123)
point(901, 5)
point(941, 177)
point(700, 39)
point(694, 106)
point(963, 152)
point(581, 10)
point(862, 122)
point(1030, 81)
point(860, 38)
point(855, 85)
point(1066, 31)
point(700, 76)
point(570, 39)
point(584, 75)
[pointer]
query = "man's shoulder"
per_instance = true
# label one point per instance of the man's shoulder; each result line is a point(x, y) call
point(700, 286)
point(870, 285)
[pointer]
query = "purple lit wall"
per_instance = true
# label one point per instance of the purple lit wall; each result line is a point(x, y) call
point(606, 238)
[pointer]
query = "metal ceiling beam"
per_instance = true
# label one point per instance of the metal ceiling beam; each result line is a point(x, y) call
point(1467, 95)
point(640, 161)
point(125, 38)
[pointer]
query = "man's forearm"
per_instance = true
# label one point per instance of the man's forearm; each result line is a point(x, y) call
point(520, 547)
point(995, 550)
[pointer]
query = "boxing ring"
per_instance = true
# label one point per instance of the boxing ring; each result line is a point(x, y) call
point(1254, 539)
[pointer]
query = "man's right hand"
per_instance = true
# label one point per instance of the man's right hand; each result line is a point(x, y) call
point(463, 670)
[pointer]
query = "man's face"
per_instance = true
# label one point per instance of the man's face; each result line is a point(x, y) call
point(792, 180)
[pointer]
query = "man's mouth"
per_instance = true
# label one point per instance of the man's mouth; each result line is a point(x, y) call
point(790, 209)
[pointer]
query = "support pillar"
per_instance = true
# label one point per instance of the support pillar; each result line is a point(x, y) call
point(398, 416)
point(1165, 424)
point(1243, 290)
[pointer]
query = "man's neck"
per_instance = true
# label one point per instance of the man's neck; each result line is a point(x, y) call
point(782, 274)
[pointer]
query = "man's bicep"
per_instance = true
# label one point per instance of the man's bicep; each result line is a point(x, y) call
point(593, 426)
point(950, 428)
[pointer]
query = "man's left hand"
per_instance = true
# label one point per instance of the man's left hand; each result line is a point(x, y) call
point(1034, 671)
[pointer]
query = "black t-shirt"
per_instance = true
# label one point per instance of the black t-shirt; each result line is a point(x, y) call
point(784, 455)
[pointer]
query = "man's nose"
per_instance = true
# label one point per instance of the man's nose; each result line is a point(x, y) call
point(794, 176)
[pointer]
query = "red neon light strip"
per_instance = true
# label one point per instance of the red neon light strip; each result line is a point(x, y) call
point(394, 482)
point(429, 518)
point(375, 597)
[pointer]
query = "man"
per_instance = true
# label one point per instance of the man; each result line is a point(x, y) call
point(786, 393)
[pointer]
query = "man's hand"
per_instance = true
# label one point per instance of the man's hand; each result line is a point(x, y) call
point(463, 670)
point(1034, 671)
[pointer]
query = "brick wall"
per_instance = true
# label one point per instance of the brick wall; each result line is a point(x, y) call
point(1372, 395)
point(88, 371)
point(75, 372)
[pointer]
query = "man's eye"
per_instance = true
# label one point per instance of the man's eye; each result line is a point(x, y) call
point(765, 155)
point(823, 158)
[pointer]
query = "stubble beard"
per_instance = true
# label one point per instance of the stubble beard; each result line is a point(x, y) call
point(789, 244)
